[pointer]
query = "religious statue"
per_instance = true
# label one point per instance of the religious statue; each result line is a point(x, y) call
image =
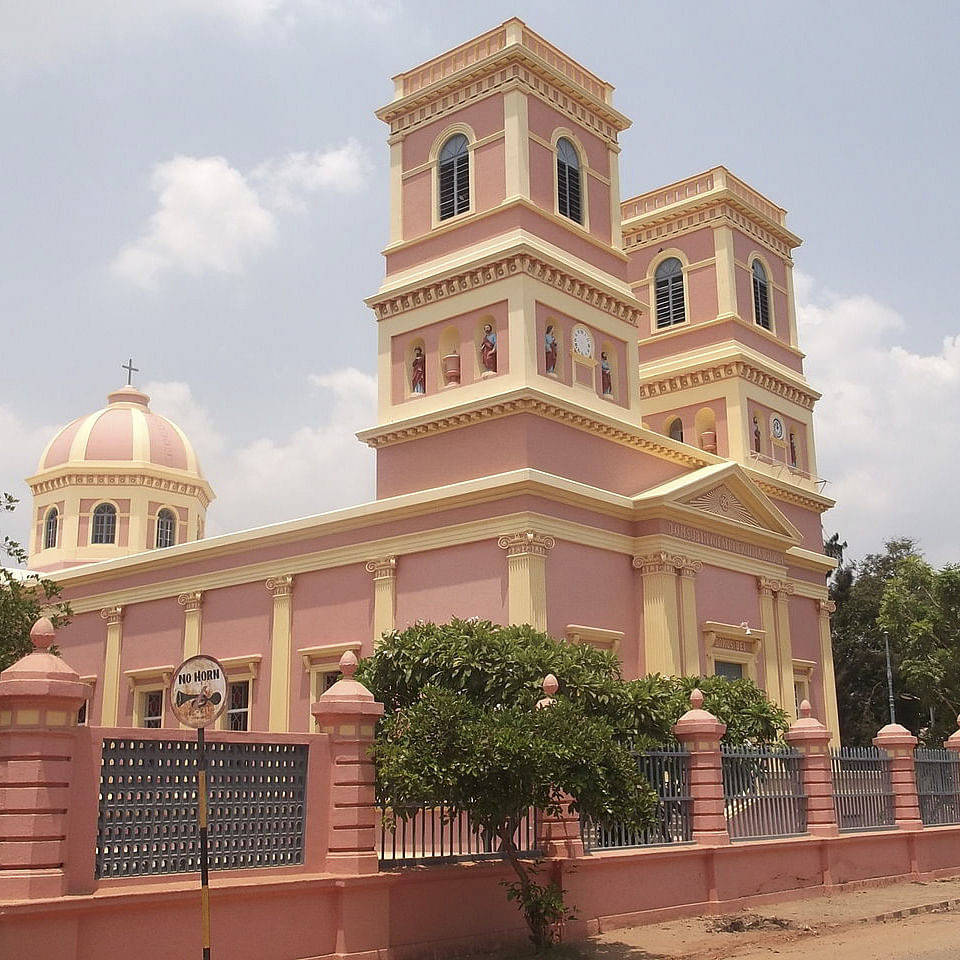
point(756, 435)
point(793, 451)
point(606, 376)
point(550, 349)
point(488, 349)
point(419, 371)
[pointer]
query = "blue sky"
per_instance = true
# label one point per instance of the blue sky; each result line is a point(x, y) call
point(201, 184)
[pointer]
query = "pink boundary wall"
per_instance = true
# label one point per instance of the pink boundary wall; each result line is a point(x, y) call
point(337, 904)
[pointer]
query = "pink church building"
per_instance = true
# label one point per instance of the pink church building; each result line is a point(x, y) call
point(592, 418)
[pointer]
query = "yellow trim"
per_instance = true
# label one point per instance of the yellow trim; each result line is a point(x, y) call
point(280, 644)
point(828, 676)
point(396, 191)
point(384, 572)
point(516, 147)
point(726, 272)
point(785, 653)
point(526, 577)
point(109, 710)
point(192, 622)
point(595, 636)
point(765, 263)
point(728, 643)
point(689, 632)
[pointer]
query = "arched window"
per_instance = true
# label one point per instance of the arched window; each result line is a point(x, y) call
point(761, 296)
point(50, 527)
point(676, 430)
point(568, 181)
point(166, 529)
point(104, 524)
point(454, 177)
point(669, 293)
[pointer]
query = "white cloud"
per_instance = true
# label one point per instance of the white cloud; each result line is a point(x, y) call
point(212, 217)
point(884, 426)
point(41, 33)
point(316, 468)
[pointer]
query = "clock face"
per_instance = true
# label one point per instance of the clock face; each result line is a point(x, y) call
point(776, 424)
point(582, 341)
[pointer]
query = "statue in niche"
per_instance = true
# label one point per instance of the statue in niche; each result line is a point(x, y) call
point(488, 349)
point(756, 435)
point(418, 379)
point(606, 376)
point(550, 350)
point(793, 451)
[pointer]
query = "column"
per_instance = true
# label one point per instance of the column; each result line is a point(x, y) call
point(280, 644)
point(785, 649)
point(690, 628)
point(700, 733)
point(110, 708)
point(347, 712)
point(726, 272)
point(777, 648)
point(396, 188)
point(661, 618)
point(384, 573)
point(191, 622)
point(899, 744)
point(828, 677)
point(527, 578)
point(516, 144)
point(39, 699)
point(811, 738)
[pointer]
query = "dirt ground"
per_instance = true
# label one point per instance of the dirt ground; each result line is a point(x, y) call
point(906, 921)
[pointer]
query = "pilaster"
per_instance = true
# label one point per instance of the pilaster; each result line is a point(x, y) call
point(828, 676)
point(661, 616)
point(527, 579)
point(785, 649)
point(726, 271)
point(516, 144)
point(396, 189)
point(191, 603)
point(777, 649)
point(280, 651)
point(110, 706)
point(690, 630)
point(384, 572)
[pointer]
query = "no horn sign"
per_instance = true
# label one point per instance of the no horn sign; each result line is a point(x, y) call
point(198, 694)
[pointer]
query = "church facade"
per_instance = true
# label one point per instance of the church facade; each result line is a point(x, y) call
point(592, 418)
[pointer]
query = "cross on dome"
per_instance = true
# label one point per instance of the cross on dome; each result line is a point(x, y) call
point(131, 370)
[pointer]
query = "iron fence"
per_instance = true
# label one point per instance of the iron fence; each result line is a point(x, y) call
point(938, 786)
point(668, 772)
point(862, 791)
point(147, 821)
point(439, 834)
point(763, 792)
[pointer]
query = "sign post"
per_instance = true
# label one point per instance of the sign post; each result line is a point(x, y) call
point(198, 695)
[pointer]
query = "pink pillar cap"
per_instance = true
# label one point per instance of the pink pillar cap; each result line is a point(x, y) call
point(697, 723)
point(894, 735)
point(41, 634)
point(807, 729)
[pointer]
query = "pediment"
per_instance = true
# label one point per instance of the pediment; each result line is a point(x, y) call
point(721, 492)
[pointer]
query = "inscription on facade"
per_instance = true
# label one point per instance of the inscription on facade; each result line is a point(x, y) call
point(730, 643)
point(722, 543)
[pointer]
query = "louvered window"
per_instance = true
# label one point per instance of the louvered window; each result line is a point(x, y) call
point(669, 293)
point(104, 524)
point(568, 181)
point(761, 296)
point(166, 529)
point(454, 177)
point(50, 529)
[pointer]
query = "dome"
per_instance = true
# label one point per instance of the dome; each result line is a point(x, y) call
point(124, 431)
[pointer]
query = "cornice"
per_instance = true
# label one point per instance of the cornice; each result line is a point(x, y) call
point(806, 500)
point(393, 304)
point(664, 384)
point(113, 477)
point(638, 438)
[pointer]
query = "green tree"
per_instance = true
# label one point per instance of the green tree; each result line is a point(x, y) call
point(461, 726)
point(858, 643)
point(920, 610)
point(23, 598)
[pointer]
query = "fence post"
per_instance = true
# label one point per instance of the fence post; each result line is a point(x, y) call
point(558, 835)
point(811, 738)
point(39, 699)
point(700, 733)
point(899, 743)
point(348, 713)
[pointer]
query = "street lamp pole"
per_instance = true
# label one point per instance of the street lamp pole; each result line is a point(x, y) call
point(886, 648)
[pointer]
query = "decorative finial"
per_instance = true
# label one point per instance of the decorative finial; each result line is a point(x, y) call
point(550, 685)
point(348, 665)
point(805, 709)
point(696, 699)
point(41, 634)
point(131, 370)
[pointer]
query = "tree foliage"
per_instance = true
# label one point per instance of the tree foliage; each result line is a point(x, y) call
point(23, 598)
point(462, 727)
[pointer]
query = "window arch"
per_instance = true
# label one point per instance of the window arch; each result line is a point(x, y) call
point(166, 529)
point(761, 296)
point(569, 190)
point(51, 526)
point(675, 429)
point(454, 178)
point(668, 290)
point(104, 524)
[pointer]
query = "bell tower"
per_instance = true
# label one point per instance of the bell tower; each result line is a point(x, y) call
point(506, 297)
